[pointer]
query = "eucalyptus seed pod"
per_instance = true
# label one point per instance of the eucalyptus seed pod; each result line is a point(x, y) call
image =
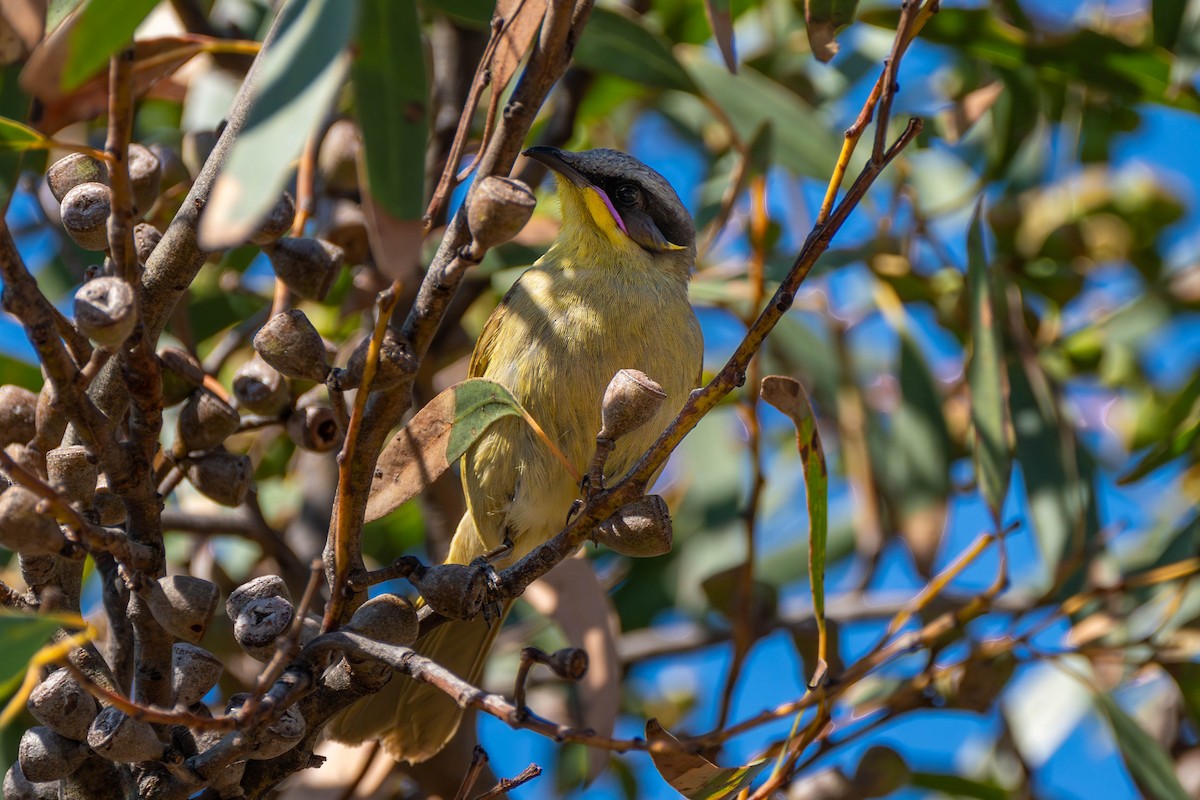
point(222, 477)
point(118, 737)
point(225, 780)
point(145, 238)
point(456, 591)
point(108, 505)
point(254, 589)
point(18, 415)
point(307, 266)
point(205, 421)
point(73, 472)
point(337, 160)
point(277, 222)
point(46, 756)
point(181, 374)
point(630, 400)
point(880, 772)
point(194, 671)
point(24, 529)
point(49, 421)
point(347, 228)
point(498, 209)
point(100, 779)
point(27, 457)
point(183, 605)
point(63, 706)
point(570, 663)
point(105, 311)
point(174, 171)
point(74, 170)
point(145, 177)
point(18, 787)
point(84, 212)
point(290, 344)
point(260, 389)
point(641, 529)
point(396, 363)
point(312, 425)
point(279, 737)
point(386, 618)
point(259, 625)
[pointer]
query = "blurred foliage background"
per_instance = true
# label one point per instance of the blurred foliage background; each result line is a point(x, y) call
point(1071, 127)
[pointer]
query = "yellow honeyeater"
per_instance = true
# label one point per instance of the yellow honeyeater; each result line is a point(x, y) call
point(610, 294)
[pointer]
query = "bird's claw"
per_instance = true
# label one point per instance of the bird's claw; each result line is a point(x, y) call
point(491, 602)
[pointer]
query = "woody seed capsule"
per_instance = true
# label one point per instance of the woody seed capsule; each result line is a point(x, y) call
point(63, 706)
point(105, 311)
point(145, 238)
point(259, 625)
point(396, 363)
point(120, 738)
point(194, 671)
point(24, 529)
point(290, 344)
point(347, 228)
point(260, 389)
point(73, 170)
point(312, 424)
point(630, 400)
point(262, 586)
point(181, 374)
point(18, 415)
point(205, 421)
point(73, 472)
point(280, 736)
point(307, 266)
point(641, 529)
point(277, 222)
point(18, 787)
point(84, 212)
point(183, 605)
point(46, 756)
point(222, 477)
point(497, 209)
point(387, 618)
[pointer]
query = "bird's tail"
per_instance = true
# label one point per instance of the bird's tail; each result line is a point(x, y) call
point(413, 720)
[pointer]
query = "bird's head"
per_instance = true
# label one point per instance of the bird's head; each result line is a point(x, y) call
point(610, 199)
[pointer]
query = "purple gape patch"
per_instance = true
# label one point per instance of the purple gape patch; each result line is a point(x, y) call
point(612, 209)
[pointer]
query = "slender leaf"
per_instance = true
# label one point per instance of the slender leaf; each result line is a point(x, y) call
point(720, 19)
point(17, 137)
point(1149, 765)
point(622, 45)
point(392, 104)
point(300, 73)
point(985, 376)
point(787, 395)
point(693, 776)
point(21, 635)
point(824, 18)
point(99, 29)
point(434, 439)
point(957, 786)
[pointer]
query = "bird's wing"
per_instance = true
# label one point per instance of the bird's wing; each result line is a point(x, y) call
point(481, 356)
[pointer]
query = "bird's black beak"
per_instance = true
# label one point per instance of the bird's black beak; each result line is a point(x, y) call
point(556, 160)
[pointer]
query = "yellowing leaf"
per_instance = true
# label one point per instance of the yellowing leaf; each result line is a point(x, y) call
point(694, 776)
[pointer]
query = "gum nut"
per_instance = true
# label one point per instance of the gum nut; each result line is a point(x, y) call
point(387, 618)
point(145, 177)
point(74, 170)
point(260, 389)
point(497, 209)
point(338, 156)
point(105, 311)
point(145, 238)
point(62, 705)
point(24, 529)
point(261, 622)
point(314, 428)
point(277, 222)
point(46, 756)
point(225, 478)
point(84, 212)
point(194, 671)
point(347, 228)
point(280, 736)
point(641, 529)
point(109, 507)
point(290, 344)
point(457, 591)
point(396, 363)
point(73, 472)
point(630, 400)
point(181, 374)
point(308, 266)
point(205, 421)
point(118, 737)
point(183, 605)
point(18, 787)
point(880, 772)
point(18, 415)
point(174, 171)
point(262, 586)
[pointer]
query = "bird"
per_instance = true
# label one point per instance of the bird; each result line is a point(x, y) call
point(611, 293)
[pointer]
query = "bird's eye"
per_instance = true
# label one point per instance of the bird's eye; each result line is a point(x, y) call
point(628, 194)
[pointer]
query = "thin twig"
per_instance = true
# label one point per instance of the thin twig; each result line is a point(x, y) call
point(479, 760)
point(507, 784)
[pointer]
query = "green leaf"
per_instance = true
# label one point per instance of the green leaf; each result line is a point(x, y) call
point(917, 466)
point(1167, 19)
point(957, 786)
point(622, 45)
point(720, 19)
point(985, 375)
point(300, 73)
point(824, 18)
point(1149, 765)
point(801, 139)
point(101, 28)
point(392, 104)
point(787, 395)
point(693, 776)
point(435, 438)
point(18, 137)
point(21, 635)
point(475, 13)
